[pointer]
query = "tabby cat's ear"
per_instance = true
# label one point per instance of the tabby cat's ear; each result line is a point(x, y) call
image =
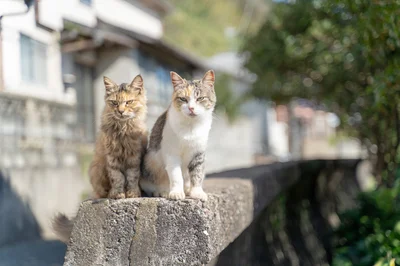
point(209, 79)
point(137, 83)
point(110, 85)
point(176, 80)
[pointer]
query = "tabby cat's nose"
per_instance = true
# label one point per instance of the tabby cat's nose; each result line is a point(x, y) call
point(120, 111)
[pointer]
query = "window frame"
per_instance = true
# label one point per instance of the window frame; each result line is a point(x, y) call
point(33, 60)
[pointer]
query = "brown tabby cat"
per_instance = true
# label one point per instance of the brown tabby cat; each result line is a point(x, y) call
point(120, 147)
point(122, 142)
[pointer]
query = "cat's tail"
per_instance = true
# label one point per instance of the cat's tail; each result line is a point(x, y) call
point(62, 226)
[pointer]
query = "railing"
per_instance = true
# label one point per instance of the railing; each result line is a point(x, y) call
point(277, 214)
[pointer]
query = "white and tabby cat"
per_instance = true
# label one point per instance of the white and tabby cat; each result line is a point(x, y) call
point(174, 163)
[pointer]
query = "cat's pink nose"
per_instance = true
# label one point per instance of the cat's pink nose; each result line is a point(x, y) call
point(120, 111)
point(191, 109)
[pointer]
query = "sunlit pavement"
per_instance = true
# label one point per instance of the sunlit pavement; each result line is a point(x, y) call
point(33, 253)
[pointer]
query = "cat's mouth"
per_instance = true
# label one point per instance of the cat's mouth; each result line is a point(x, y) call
point(124, 117)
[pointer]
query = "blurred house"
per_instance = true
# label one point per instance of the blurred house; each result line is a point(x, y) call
point(310, 132)
point(38, 142)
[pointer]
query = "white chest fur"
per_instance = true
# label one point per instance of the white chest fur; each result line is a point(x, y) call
point(185, 136)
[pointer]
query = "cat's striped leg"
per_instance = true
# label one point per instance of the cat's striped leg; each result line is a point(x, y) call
point(117, 179)
point(197, 171)
point(132, 177)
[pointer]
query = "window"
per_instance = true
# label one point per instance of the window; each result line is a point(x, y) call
point(33, 60)
point(85, 102)
point(164, 85)
point(157, 77)
point(86, 2)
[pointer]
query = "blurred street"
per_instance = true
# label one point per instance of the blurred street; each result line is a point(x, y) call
point(33, 253)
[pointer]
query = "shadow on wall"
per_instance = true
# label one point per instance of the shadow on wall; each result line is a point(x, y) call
point(17, 221)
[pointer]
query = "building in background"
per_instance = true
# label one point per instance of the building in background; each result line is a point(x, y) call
point(302, 130)
point(38, 151)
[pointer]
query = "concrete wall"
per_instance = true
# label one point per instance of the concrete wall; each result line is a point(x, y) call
point(46, 191)
point(296, 228)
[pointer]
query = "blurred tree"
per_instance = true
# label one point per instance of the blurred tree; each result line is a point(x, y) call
point(344, 54)
point(209, 27)
point(370, 234)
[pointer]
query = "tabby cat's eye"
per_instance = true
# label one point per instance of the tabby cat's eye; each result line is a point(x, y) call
point(200, 99)
point(114, 103)
point(129, 102)
point(182, 99)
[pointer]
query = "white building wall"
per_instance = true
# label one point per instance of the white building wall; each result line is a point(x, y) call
point(50, 13)
point(125, 15)
point(77, 12)
point(119, 13)
point(25, 24)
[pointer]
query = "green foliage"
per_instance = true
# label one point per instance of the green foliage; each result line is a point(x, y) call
point(343, 54)
point(199, 26)
point(370, 233)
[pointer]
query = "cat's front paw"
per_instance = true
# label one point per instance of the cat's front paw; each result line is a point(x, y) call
point(133, 193)
point(187, 189)
point(198, 193)
point(176, 195)
point(115, 194)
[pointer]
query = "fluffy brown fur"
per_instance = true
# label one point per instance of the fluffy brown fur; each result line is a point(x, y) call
point(120, 147)
point(121, 143)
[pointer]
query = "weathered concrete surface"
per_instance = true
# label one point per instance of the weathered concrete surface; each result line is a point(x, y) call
point(155, 231)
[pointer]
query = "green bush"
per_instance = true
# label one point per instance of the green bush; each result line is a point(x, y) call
point(370, 234)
